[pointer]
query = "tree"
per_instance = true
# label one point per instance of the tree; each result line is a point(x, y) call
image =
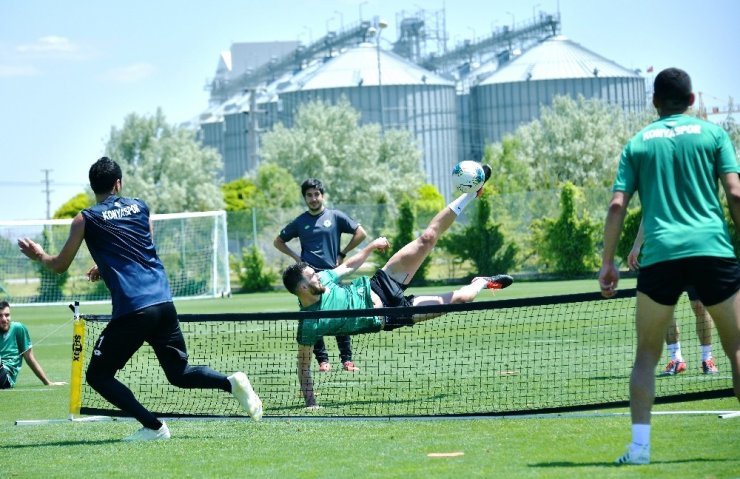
point(567, 244)
point(252, 273)
point(429, 202)
point(482, 241)
point(577, 141)
point(358, 164)
point(74, 205)
point(271, 187)
point(166, 165)
point(509, 174)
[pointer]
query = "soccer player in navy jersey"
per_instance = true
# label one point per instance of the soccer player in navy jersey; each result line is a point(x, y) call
point(118, 233)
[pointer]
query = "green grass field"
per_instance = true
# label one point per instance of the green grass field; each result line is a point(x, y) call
point(686, 445)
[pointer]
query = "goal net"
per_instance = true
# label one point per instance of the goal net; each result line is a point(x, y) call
point(192, 246)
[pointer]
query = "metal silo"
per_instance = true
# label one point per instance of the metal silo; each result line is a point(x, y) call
point(393, 92)
point(514, 94)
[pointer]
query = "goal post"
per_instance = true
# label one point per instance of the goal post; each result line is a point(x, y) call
point(192, 246)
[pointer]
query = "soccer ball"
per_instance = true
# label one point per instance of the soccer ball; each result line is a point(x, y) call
point(468, 176)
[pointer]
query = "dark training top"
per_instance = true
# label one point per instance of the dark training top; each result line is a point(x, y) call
point(319, 236)
point(118, 236)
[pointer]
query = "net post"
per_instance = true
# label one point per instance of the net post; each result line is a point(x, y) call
point(78, 341)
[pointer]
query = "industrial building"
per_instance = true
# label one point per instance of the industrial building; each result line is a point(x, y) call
point(453, 101)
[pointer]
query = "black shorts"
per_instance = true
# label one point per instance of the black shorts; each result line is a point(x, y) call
point(123, 336)
point(4, 379)
point(391, 295)
point(691, 291)
point(715, 279)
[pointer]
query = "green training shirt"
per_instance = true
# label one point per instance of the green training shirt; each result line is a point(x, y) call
point(674, 164)
point(355, 295)
point(12, 346)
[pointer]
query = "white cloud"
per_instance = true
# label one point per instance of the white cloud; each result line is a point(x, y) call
point(130, 73)
point(51, 44)
point(18, 71)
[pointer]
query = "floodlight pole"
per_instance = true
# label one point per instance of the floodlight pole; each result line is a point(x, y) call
point(381, 24)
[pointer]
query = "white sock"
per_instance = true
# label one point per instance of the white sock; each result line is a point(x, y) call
point(706, 352)
point(479, 284)
point(675, 351)
point(641, 434)
point(459, 203)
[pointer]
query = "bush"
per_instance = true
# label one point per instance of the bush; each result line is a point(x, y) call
point(482, 242)
point(567, 244)
point(252, 273)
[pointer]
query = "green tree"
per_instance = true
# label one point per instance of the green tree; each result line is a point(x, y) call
point(481, 241)
point(576, 140)
point(509, 174)
point(358, 164)
point(166, 165)
point(239, 194)
point(253, 276)
point(567, 244)
point(733, 129)
point(74, 205)
point(429, 202)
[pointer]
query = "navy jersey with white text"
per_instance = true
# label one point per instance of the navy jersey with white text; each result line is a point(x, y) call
point(118, 236)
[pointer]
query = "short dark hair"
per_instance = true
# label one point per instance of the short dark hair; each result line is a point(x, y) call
point(672, 87)
point(103, 175)
point(293, 276)
point(4, 304)
point(311, 183)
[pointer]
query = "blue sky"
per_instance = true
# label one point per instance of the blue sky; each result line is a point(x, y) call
point(72, 69)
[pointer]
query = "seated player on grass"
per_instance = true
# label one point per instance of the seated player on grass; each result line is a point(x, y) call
point(15, 346)
point(322, 291)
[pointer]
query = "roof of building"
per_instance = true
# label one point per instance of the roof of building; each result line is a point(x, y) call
point(359, 67)
point(557, 58)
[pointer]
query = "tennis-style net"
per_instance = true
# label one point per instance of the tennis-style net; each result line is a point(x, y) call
point(546, 354)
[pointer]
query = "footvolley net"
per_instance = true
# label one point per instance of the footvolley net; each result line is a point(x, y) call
point(546, 354)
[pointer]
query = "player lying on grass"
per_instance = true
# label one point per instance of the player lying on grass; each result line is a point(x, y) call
point(322, 291)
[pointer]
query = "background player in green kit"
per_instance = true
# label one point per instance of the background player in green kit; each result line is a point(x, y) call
point(675, 164)
point(15, 346)
point(321, 291)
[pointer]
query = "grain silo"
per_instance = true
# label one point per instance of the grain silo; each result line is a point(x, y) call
point(393, 92)
point(514, 94)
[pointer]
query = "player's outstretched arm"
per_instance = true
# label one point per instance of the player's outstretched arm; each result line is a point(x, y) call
point(58, 263)
point(356, 260)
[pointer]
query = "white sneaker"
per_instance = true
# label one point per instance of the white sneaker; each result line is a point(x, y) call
point(146, 434)
point(635, 455)
point(242, 390)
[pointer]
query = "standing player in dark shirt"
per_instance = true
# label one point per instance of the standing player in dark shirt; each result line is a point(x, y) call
point(319, 230)
point(118, 234)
